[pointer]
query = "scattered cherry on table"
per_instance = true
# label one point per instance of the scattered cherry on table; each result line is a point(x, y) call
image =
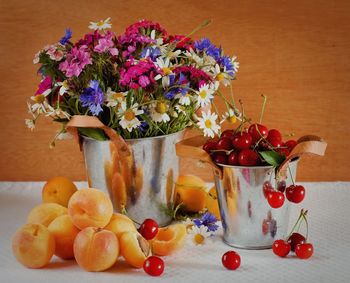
point(281, 248)
point(153, 266)
point(231, 260)
point(304, 251)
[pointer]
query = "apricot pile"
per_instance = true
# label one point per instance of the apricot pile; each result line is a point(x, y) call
point(81, 225)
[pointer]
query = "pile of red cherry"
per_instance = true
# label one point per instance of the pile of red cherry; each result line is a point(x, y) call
point(241, 147)
point(154, 265)
point(296, 242)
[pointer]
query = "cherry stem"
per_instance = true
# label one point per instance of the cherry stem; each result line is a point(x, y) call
point(291, 175)
point(262, 108)
point(301, 217)
point(307, 225)
point(124, 211)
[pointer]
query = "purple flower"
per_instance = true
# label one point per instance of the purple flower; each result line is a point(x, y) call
point(93, 97)
point(76, 61)
point(209, 220)
point(143, 126)
point(152, 52)
point(106, 44)
point(66, 37)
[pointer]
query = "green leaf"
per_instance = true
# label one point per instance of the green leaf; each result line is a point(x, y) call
point(96, 134)
point(272, 157)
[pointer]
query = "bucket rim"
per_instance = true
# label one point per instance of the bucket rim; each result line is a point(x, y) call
point(140, 139)
point(294, 160)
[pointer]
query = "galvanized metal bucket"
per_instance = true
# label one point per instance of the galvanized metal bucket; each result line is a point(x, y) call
point(248, 220)
point(141, 183)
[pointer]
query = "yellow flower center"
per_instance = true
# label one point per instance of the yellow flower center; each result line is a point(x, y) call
point(232, 119)
point(207, 123)
point(161, 107)
point(220, 77)
point(129, 115)
point(39, 98)
point(198, 239)
point(118, 95)
point(166, 71)
point(100, 23)
point(203, 94)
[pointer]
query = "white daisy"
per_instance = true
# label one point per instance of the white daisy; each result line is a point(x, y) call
point(184, 99)
point(115, 98)
point(230, 116)
point(200, 234)
point(30, 124)
point(64, 87)
point(188, 223)
point(165, 65)
point(180, 108)
point(159, 112)
point(56, 112)
point(101, 25)
point(235, 64)
point(208, 124)
point(199, 61)
point(205, 95)
point(41, 104)
point(159, 41)
point(128, 119)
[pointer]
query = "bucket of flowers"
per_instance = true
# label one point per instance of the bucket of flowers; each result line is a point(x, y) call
point(128, 99)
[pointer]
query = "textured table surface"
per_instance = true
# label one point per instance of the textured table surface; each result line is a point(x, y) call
point(329, 220)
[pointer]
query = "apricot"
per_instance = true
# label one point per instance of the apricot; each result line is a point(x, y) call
point(169, 239)
point(212, 203)
point(58, 190)
point(64, 232)
point(119, 224)
point(134, 248)
point(33, 245)
point(45, 213)
point(190, 190)
point(90, 208)
point(96, 249)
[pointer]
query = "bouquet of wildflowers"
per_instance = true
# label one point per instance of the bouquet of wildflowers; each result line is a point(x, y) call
point(142, 83)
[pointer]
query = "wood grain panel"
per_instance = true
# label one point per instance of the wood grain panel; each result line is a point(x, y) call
point(295, 52)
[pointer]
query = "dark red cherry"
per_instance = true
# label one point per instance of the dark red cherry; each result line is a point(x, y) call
point(283, 150)
point(274, 137)
point(149, 229)
point(233, 159)
point(242, 140)
point(281, 186)
point(295, 194)
point(227, 134)
point(220, 158)
point(290, 144)
point(275, 199)
point(209, 145)
point(248, 157)
point(295, 239)
point(257, 131)
point(224, 144)
point(267, 187)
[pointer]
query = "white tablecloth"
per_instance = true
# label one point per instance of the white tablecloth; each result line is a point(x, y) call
point(329, 220)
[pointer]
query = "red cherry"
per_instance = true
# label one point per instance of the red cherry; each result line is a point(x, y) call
point(219, 157)
point(281, 248)
point(281, 186)
point(295, 239)
point(304, 251)
point(295, 194)
point(257, 131)
point(231, 260)
point(224, 144)
point(149, 229)
point(242, 141)
point(227, 134)
point(283, 150)
point(274, 137)
point(248, 157)
point(267, 187)
point(290, 144)
point(275, 199)
point(232, 159)
point(153, 266)
point(209, 145)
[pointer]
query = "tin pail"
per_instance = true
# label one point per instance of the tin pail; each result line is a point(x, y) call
point(141, 183)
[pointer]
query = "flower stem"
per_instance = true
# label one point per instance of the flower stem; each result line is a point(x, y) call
point(263, 108)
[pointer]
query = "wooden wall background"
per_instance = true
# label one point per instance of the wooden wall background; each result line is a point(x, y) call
point(295, 52)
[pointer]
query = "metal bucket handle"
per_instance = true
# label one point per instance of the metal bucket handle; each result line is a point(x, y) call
point(192, 148)
point(83, 121)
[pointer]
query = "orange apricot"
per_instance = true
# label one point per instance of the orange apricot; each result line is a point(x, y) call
point(119, 224)
point(169, 239)
point(58, 190)
point(134, 248)
point(45, 213)
point(90, 208)
point(64, 232)
point(212, 203)
point(33, 245)
point(96, 249)
point(190, 191)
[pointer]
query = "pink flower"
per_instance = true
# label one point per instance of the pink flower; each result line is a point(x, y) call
point(55, 53)
point(76, 61)
point(143, 81)
point(44, 85)
point(106, 44)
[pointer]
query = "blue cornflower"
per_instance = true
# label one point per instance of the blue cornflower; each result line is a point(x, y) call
point(209, 220)
point(66, 37)
point(93, 97)
point(210, 49)
point(226, 62)
point(181, 86)
point(202, 44)
point(143, 127)
point(152, 52)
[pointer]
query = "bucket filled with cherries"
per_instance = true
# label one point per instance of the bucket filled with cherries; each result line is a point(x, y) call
point(254, 172)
